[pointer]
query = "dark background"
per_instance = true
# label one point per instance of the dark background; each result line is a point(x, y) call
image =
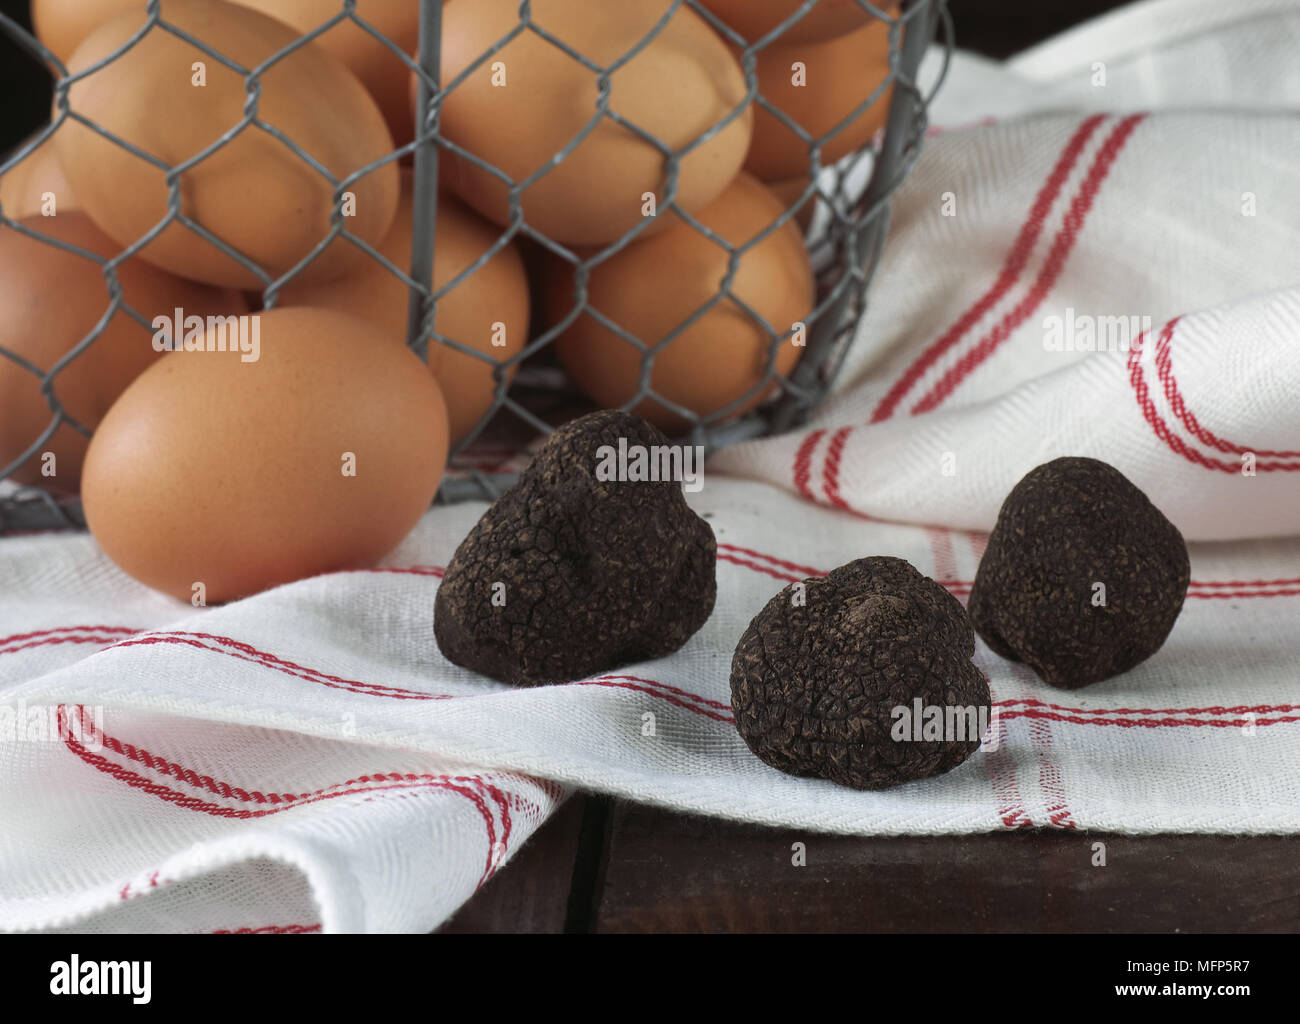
point(996, 28)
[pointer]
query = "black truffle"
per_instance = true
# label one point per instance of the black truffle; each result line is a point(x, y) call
point(569, 574)
point(1082, 578)
point(841, 678)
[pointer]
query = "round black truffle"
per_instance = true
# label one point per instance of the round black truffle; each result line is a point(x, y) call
point(569, 574)
point(840, 677)
point(1082, 578)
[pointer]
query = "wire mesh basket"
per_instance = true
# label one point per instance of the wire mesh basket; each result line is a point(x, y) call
point(844, 207)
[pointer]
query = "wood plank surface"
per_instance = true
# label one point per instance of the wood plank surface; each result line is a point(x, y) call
point(666, 872)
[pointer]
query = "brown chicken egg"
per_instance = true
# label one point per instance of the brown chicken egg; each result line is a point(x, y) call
point(381, 71)
point(487, 311)
point(215, 476)
point(819, 86)
point(754, 19)
point(530, 102)
point(62, 24)
point(52, 299)
point(172, 101)
point(791, 194)
point(653, 286)
point(36, 185)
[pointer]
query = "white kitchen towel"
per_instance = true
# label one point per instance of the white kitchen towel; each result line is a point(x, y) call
point(305, 760)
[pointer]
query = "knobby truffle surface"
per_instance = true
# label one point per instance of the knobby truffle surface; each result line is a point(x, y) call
point(568, 575)
point(1083, 577)
point(817, 677)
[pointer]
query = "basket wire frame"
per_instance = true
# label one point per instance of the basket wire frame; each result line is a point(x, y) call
point(850, 200)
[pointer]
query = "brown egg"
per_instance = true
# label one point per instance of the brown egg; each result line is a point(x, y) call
point(320, 455)
point(654, 285)
point(25, 186)
point(487, 311)
point(62, 24)
point(49, 300)
point(754, 19)
point(381, 71)
point(531, 100)
point(837, 78)
point(791, 194)
point(254, 192)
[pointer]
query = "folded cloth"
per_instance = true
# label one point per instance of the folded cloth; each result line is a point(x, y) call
point(1128, 300)
point(305, 760)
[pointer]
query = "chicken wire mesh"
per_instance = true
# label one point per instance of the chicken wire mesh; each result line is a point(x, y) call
point(849, 200)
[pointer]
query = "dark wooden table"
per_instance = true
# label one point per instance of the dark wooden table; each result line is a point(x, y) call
point(609, 866)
